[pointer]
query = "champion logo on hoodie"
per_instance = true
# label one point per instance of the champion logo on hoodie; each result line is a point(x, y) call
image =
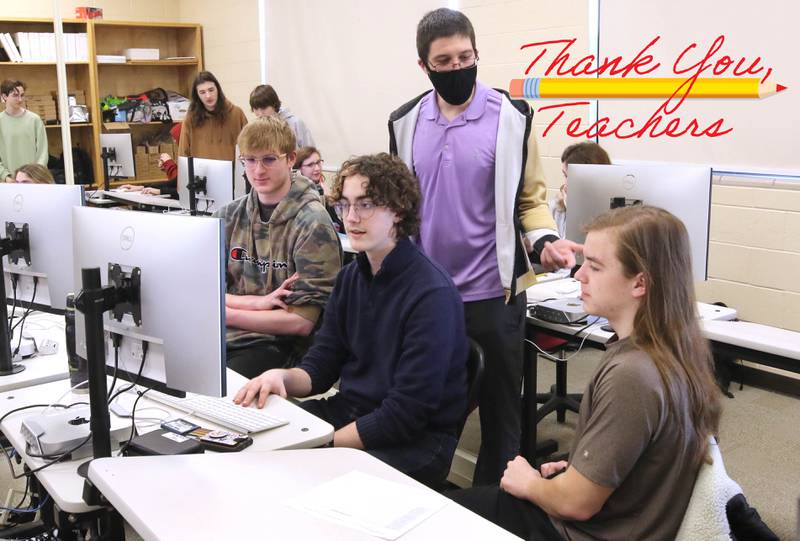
point(240, 254)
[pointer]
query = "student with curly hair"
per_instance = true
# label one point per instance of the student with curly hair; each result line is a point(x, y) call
point(393, 333)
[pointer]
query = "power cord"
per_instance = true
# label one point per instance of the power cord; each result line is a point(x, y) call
point(138, 374)
point(116, 339)
point(580, 346)
point(31, 509)
point(133, 421)
point(27, 312)
point(14, 304)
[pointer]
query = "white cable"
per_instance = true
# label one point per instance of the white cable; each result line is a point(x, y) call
point(587, 330)
point(60, 398)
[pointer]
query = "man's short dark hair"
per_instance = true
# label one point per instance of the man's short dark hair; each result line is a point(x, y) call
point(264, 96)
point(442, 23)
point(8, 86)
point(585, 152)
point(391, 184)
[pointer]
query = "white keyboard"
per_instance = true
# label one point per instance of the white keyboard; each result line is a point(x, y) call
point(221, 411)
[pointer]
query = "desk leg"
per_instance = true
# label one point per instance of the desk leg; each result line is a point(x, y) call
point(531, 447)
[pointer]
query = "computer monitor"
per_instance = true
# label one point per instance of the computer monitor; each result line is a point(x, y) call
point(120, 146)
point(220, 185)
point(179, 310)
point(45, 210)
point(240, 184)
point(683, 190)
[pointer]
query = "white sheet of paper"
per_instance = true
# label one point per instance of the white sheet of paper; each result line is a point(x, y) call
point(379, 507)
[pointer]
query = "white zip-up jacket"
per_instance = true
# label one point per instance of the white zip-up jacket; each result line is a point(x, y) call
point(519, 187)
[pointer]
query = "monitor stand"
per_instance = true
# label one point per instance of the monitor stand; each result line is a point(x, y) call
point(7, 366)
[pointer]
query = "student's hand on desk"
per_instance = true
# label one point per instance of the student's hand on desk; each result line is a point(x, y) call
point(559, 254)
point(131, 188)
point(151, 191)
point(270, 382)
point(518, 477)
point(275, 299)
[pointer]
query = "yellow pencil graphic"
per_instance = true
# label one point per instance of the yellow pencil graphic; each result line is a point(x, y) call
point(656, 87)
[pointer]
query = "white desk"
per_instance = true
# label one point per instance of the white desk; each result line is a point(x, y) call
point(136, 198)
point(65, 485)
point(244, 496)
point(40, 368)
point(570, 288)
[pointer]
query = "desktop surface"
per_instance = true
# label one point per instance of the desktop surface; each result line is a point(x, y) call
point(247, 495)
point(64, 484)
point(40, 368)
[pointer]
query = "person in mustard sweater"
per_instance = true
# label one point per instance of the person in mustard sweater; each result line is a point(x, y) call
point(212, 124)
point(23, 139)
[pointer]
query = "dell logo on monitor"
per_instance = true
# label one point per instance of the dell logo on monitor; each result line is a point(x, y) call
point(126, 238)
point(629, 181)
point(18, 201)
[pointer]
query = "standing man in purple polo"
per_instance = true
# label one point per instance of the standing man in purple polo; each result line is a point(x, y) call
point(483, 201)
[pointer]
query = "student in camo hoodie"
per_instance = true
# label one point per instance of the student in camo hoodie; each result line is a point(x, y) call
point(282, 255)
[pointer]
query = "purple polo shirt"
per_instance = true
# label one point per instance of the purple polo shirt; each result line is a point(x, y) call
point(454, 162)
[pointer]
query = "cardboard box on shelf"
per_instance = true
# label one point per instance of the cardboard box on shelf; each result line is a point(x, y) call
point(142, 165)
point(167, 148)
point(116, 127)
point(152, 149)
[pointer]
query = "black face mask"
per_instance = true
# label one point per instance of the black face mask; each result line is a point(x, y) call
point(455, 87)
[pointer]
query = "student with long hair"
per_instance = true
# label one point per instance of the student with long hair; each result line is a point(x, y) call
point(650, 406)
point(33, 173)
point(212, 123)
point(309, 164)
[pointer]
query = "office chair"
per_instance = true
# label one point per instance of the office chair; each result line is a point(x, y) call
point(557, 399)
point(475, 366)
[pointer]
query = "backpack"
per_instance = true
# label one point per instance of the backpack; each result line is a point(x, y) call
point(81, 167)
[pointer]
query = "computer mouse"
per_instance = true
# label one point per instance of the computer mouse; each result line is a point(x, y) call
point(566, 289)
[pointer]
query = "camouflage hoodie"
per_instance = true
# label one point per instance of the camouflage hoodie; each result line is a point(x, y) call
point(299, 237)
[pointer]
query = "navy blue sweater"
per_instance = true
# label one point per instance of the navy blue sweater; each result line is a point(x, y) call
point(398, 342)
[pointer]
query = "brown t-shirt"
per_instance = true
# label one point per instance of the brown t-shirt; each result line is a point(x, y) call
point(214, 139)
point(627, 440)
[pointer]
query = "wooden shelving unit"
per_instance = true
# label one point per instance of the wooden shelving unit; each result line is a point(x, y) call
point(41, 78)
point(175, 42)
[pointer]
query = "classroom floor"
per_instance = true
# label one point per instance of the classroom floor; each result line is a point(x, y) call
point(759, 440)
point(760, 443)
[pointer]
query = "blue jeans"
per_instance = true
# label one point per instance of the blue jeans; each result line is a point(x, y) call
point(426, 459)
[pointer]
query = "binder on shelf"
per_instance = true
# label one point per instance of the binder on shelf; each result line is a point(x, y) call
point(82, 47)
point(11, 48)
point(24, 45)
point(36, 46)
